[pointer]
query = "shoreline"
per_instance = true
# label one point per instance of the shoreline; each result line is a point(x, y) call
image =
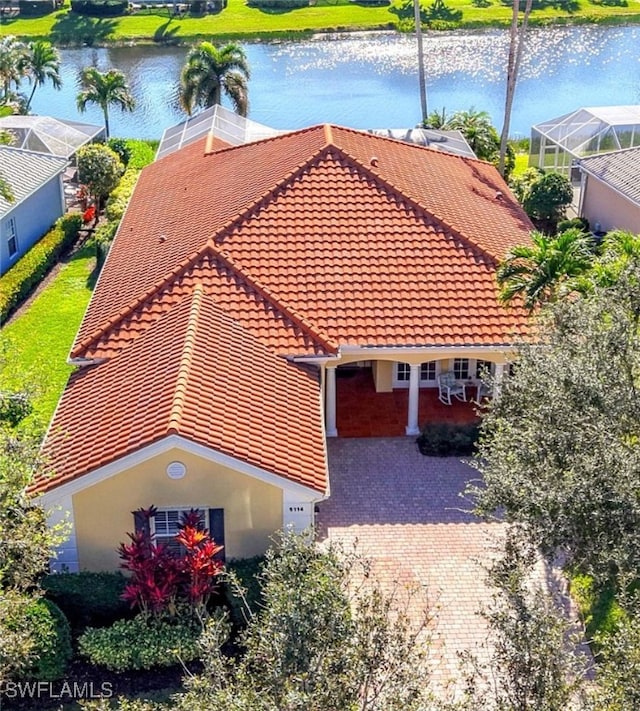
point(185, 38)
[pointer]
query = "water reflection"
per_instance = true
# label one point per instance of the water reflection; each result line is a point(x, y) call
point(370, 79)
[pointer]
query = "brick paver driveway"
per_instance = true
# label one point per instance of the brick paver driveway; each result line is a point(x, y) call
point(406, 512)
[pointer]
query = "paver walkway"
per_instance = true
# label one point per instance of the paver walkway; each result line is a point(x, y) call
point(406, 513)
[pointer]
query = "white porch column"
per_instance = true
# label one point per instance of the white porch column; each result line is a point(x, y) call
point(414, 394)
point(330, 401)
point(497, 379)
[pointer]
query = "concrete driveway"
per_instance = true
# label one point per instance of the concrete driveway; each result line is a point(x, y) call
point(407, 515)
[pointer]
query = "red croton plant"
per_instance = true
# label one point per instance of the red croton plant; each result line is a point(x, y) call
point(161, 577)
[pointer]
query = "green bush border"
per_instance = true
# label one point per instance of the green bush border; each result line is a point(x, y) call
point(19, 281)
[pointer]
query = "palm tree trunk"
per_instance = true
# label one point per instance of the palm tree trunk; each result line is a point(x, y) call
point(105, 109)
point(33, 91)
point(516, 47)
point(421, 77)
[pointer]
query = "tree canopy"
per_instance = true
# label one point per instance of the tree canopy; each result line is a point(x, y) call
point(560, 448)
point(104, 89)
point(209, 72)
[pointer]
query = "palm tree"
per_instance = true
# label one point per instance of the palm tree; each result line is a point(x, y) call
point(104, 89)
point(538, 272)
point(477, 128)
point(209, 71)
point(43, 62)
point(13, 61)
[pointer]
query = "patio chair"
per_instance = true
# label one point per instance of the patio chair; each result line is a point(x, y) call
point(448, 386)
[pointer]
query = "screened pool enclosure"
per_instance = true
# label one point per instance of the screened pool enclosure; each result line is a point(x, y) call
point(559, 143)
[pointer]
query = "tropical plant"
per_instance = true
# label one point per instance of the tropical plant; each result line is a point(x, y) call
point(536, 273)
point(618, 249)
point(161, 578)
point(210, 72)
point(13, 65)
point(42, 65)
point(477, 128)
point(105, 89)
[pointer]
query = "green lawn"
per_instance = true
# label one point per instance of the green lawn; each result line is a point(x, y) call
point(240, 20)
point(40, 338)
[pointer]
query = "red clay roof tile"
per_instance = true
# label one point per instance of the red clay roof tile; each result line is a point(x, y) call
point(294, 245)
point(190, 370)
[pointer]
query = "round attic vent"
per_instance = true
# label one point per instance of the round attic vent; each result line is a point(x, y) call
point(176, 470)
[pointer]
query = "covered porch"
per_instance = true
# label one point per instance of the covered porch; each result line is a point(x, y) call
point(383, 398)
point(363, 412)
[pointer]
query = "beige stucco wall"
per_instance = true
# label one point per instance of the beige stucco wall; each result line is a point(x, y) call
point(383, 375)
point(611, 210)
point(102, 513)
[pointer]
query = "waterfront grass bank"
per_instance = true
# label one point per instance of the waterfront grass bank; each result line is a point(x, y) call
point(239, 21)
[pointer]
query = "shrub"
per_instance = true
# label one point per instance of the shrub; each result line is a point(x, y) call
point(142, 152)
point(120, 146)
point(141, 643)
point(35, 8)
point(20, 280)
point(88, 599)
point(100, 8)
point(447, 440)
point(100, 169)
point(242, 588)
point(161, 577)
point(52, 636)
point(120, 196)
point(580, 223)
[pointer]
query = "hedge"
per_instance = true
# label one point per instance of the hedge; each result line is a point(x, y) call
point(100, 8)
point(443, 439)
point(35, 8)
point(278, 4)
point(28, 272)
point(52, 635)
point(88, 599)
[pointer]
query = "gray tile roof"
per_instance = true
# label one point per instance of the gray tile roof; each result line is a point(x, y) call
point(620, 170)
point(25, 172)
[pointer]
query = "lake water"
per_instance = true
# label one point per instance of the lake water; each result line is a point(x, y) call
point(369, 80)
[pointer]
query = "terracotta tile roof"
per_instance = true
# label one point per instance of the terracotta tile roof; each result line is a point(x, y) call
point(446, 221)
point(294, 245)
point(193, 373)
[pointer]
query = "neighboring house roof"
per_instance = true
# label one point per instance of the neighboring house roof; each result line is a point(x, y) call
point(25, 172)
point(197, 373)
point(44, 134)
point(620, 170)
point(593, 129)
point(446, 141)
point(295, 245)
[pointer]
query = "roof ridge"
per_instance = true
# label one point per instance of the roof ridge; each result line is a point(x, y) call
point(270, 193)
point(318, 336)
point(184, 369)
point(415, 204)
point(301, 321)
point(112, 321)
point(266, 139)
point(416, 146)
